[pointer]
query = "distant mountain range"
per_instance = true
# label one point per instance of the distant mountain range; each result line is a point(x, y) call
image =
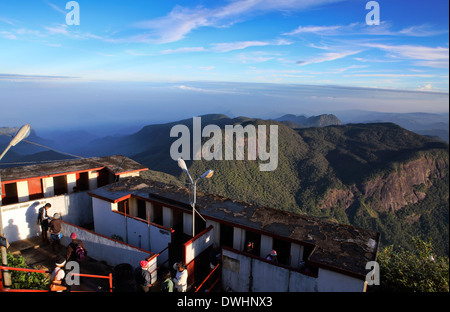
point(433, 125)
point(301, 121)
point(374, 175)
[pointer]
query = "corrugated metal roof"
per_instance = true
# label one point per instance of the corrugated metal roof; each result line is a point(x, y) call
point(116, 164)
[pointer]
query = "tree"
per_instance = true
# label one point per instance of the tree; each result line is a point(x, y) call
point(419, 270)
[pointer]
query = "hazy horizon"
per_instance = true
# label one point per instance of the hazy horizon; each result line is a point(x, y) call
point(84, 105)
point(154, 62)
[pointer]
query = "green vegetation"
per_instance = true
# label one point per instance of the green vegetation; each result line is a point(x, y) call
point(316, 164)
point(25, 280)
point(420, 270)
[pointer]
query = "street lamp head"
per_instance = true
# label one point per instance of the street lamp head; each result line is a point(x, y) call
point(23, 132)
point(208, 174)
point(182, 164)
point(20, 135)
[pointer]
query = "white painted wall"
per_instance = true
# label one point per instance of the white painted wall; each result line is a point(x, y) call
point(71, 182)
point(108, 223)
point(237, 268)
point(238, 238)
point(296, 254)
point(200, 244)
point(167, 217)
point(48, 187)
point(266, 245)
point(22, 191)
point(216, 230)
point(19, 221)
point(92, 175)
point(332, 281)
point(187, 223)
point(111, 251)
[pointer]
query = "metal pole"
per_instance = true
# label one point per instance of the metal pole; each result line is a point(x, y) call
point(193, 207)
point(23, 132)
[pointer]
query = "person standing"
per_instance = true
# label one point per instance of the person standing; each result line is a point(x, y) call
point(76, 250)
point(249, 248)
point(44, 221)
point(167, 284)
point(55, 231)
point(143, 277)
point(272, 256)
point(180, 279)
point(58, 275)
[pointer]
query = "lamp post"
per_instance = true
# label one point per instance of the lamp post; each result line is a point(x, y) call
point(23, 132)
point(208, 174)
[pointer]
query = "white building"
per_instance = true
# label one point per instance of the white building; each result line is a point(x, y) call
point(313, 255)
point(136, 218)
point(62, 184)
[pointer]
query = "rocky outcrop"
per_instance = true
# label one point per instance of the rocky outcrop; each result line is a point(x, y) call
point(395, 191)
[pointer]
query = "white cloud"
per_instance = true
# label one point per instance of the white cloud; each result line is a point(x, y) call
point(56, 8)
point(8, 21)
point(315, 30)
point(326, 57)
point(384, 29)
point(425, 56)
point(254, 57)
point(181, 21)
point(57, 30)
point(392, 75)
point(421, 31)
point(8, 35)
point(229, 46)
point(183, 50)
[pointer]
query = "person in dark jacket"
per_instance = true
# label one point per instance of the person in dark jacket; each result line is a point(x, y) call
point(72, 249)
point(44, 221)
point(143, 277)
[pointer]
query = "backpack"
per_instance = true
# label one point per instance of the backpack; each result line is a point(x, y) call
point(79, 253)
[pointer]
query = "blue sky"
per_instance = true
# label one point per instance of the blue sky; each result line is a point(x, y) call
point(141, 54)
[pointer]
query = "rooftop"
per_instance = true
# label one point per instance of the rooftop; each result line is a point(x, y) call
point(337, 247)
point(116, 164)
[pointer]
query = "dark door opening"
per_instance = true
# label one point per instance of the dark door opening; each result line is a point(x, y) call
point(83, 181)
point(254, 238)
point(9, 194)
point(226, 235)
point(141, 211)
point(283, 249)
point(60, 185)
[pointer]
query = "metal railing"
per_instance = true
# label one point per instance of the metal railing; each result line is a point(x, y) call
point(2, 289)
point(210, 275)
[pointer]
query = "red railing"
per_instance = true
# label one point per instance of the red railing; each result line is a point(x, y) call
point(216, 268)
point(2, 289)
